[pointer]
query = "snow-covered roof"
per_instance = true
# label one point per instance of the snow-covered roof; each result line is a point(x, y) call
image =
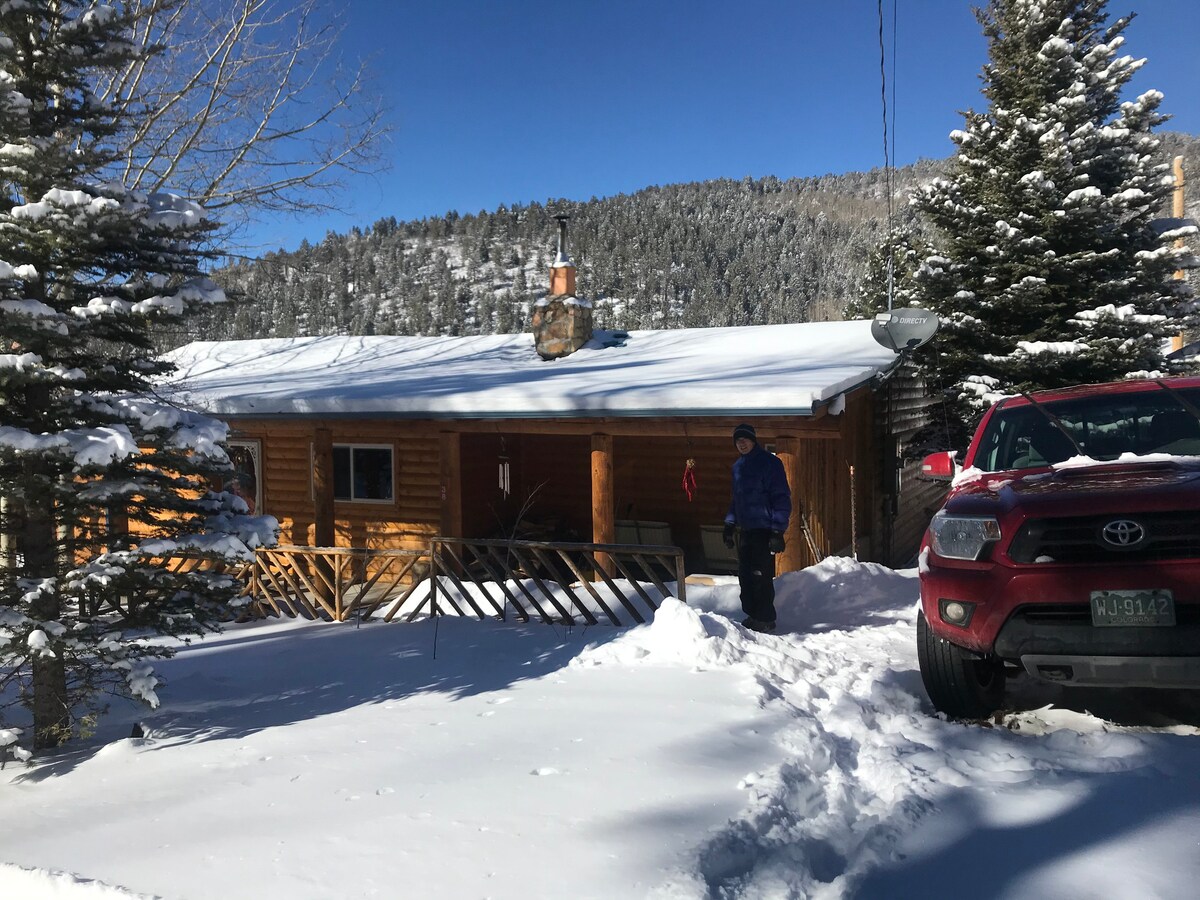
point(747, 371)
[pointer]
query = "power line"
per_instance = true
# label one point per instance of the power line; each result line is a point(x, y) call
point(889, 152)
point(883, 99)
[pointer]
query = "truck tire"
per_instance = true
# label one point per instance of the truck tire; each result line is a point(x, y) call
point(960, 684)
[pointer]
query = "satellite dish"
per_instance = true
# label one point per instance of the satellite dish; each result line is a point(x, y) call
point(904, 329)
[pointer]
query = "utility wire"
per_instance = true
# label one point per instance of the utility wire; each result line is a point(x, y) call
point(883, 98)
point(895, 46)
point(889, 151)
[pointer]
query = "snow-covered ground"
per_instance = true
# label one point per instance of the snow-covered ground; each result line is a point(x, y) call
point(687, 758)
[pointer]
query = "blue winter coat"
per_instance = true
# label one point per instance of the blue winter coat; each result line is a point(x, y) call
point(761, 497)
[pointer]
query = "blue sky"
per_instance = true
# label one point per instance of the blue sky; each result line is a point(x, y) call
point(503, 101)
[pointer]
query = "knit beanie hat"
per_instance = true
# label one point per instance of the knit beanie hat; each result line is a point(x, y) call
point(745, 431)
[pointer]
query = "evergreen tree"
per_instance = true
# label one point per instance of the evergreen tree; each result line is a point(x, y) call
point(906, 250)
point(100, 482)
point(518, 298)
point(1046, 268)
point(420, 314)
point(486, 311)
point(506, 316)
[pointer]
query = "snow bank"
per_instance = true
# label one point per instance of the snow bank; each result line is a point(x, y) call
point(45, 884)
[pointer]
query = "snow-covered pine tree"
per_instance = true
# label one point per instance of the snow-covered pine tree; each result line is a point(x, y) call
point(1046, 265)
point(101, 483)
point(907, 250)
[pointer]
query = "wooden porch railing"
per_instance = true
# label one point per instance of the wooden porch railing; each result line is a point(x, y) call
point(129, 607)
point(553, 582)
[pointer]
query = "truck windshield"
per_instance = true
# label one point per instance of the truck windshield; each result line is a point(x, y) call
point(1104, 425)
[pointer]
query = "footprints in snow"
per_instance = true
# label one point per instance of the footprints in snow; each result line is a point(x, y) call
point(495, 701)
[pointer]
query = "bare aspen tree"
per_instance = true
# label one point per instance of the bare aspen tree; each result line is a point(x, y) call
point(102, 483)
point(248, 109)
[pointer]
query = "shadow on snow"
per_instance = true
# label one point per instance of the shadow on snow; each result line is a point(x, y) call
point(263, 675)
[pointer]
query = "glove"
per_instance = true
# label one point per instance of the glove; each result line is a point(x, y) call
point(727, 536)
point(775, 542)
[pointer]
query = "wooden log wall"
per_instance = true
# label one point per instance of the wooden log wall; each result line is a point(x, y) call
point(487, 510)
point(450, 482)
point(550, 478)
point(649, 475)
point(549, 485)
point(860, 445)
point(906, 502)
point(824, 491)
point(825, 487)
point(919, 500)
point(648, 485)
point(555, 471)
point(288, 494)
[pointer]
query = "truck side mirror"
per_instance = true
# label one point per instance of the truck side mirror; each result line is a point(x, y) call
point(938, 467)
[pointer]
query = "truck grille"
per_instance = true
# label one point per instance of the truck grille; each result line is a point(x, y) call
point(1078, 539)
point(1048, 615)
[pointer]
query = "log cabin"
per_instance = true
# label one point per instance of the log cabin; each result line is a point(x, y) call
point(382, 442)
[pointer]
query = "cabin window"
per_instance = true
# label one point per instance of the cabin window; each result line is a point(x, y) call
point(245, 480)
point(362, 472)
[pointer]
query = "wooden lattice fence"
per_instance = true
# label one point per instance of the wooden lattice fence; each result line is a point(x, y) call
point(529, 580)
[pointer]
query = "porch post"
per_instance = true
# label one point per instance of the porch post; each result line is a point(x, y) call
point(451, 524)
point(603, 527)
point(792, 558)
point(324, 533)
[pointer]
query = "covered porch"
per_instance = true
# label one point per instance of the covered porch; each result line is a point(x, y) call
point(618, 481)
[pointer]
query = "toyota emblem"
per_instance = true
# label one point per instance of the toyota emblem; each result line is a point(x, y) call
point(1123, 533)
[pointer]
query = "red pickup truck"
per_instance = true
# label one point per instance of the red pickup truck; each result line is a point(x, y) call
point(1068, 546)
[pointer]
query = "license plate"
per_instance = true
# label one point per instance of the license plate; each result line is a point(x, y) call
point(1133, 608)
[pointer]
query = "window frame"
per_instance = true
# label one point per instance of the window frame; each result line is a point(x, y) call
point(253, 446)
point(352, 446)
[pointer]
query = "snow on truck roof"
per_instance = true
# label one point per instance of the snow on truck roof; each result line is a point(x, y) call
point(740, 371)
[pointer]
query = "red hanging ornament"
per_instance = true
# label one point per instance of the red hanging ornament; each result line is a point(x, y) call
point(689, 479)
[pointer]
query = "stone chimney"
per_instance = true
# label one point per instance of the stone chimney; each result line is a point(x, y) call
point(562, 323)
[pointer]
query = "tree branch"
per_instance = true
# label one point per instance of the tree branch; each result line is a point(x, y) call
point(242, 105)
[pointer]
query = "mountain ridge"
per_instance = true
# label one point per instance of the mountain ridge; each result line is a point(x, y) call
point(720, 252)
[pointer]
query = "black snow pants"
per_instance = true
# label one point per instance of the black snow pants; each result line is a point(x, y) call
point(756, 574)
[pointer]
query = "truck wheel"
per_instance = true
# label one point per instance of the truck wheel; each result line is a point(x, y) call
point(960, 684)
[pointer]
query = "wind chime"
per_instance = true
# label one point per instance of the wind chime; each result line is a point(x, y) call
point(503, 474)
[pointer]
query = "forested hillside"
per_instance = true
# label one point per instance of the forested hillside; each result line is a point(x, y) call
point(755, 251)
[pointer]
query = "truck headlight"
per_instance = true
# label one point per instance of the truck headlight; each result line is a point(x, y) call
point(962, 537)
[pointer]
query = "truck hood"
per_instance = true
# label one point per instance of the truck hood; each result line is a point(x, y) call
point(1170, 483)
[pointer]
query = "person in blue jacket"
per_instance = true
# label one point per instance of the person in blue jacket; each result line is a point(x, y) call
point(758, 516)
